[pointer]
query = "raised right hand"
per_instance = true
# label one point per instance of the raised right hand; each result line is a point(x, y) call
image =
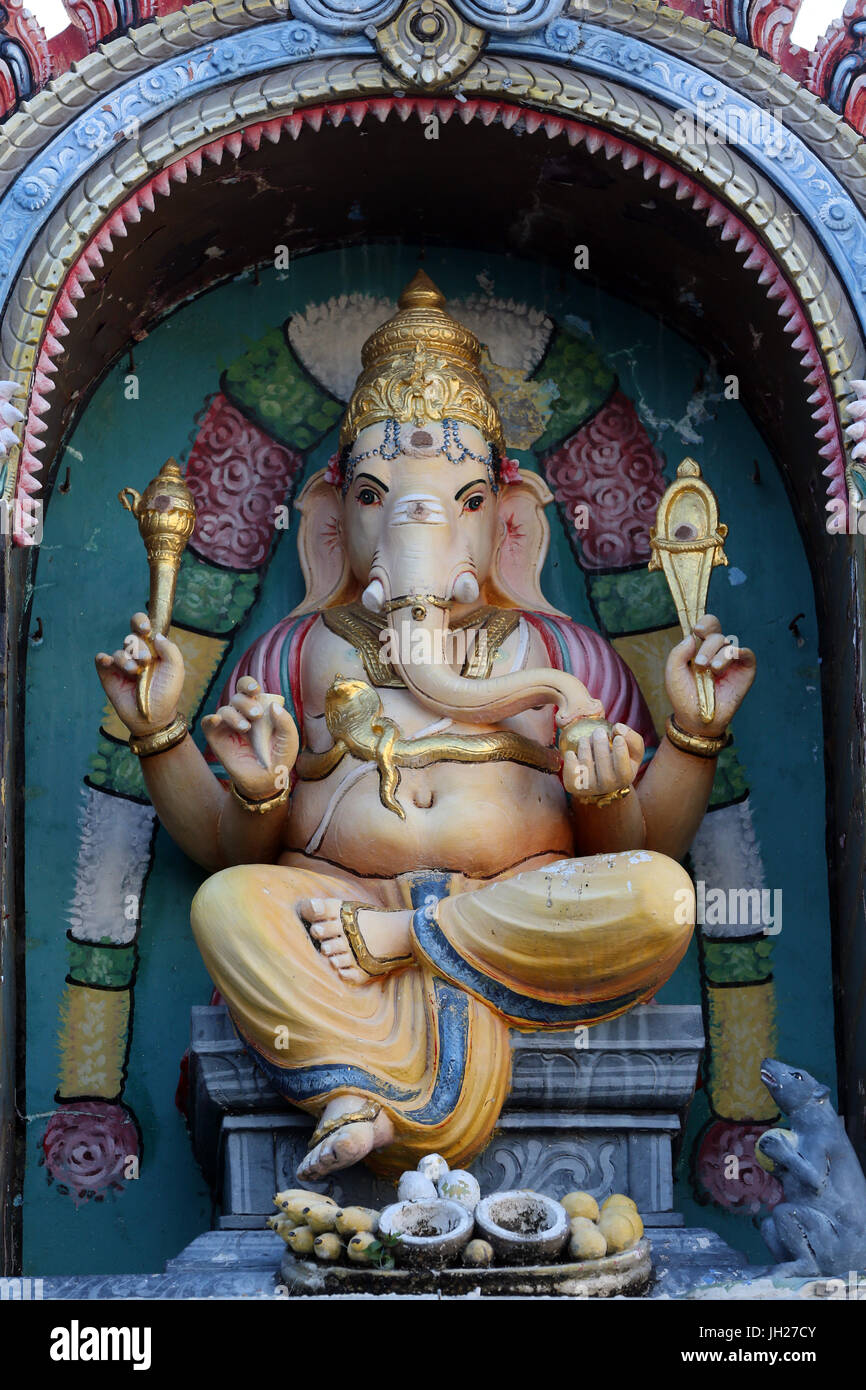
point(255, 739)
point(119, 676)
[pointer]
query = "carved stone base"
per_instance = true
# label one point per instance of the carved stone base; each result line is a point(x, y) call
point(613, 1276)
point(246, 1265)
point(598, 1110)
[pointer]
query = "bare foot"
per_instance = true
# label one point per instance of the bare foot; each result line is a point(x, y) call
point(386, 934)
point(347, 1145)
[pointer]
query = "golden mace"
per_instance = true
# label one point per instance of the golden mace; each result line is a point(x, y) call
point(687, 541)
point(165, 513)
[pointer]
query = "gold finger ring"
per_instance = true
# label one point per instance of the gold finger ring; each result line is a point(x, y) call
point(610, 797)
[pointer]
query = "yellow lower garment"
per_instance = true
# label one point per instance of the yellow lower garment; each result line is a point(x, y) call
point(569, 943)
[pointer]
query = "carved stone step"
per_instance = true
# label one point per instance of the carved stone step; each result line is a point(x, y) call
point(599, 1109)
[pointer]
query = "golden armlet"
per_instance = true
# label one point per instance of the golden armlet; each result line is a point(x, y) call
point(148, 745)
point(260, 808)
point(702, 745)
point(370, 964)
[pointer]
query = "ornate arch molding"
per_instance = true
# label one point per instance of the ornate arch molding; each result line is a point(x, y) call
point(739, 65)
point(83, 187)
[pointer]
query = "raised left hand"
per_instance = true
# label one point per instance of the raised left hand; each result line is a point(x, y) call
point(732, 669)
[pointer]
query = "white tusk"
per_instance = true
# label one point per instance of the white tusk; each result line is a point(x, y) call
point(466, 588)
point(373, 596)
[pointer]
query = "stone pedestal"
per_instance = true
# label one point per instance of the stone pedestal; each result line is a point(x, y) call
point(600, 1109)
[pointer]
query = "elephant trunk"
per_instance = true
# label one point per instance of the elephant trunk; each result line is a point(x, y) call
point(421, 652)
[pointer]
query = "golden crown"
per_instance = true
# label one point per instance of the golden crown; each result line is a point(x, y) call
point(422, 365)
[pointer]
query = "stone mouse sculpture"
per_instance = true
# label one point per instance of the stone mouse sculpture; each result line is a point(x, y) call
point(820, 1225)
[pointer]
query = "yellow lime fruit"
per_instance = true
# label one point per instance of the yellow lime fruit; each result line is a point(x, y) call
point(588, 1241)
point(621, 1229)
point(580, 1204)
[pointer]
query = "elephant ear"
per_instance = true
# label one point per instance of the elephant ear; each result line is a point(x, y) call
point(320, 548)
point(515, 577)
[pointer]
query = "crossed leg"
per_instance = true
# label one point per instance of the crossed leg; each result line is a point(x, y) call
point(386, 934)
point(273, 942)
point(256, 934)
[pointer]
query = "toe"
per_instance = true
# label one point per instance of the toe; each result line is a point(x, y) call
point(313, 1166)
point(314, 909)
point(352, 974)
point(333, 945)
point(326, 930)
point(352, 1143)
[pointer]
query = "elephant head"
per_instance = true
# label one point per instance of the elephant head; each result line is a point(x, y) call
point(418, 537)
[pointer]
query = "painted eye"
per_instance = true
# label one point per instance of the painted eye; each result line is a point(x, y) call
point(367, 497)
point(473, 503)
point(798, 1076)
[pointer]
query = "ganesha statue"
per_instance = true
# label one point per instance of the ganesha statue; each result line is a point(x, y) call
point(432, 808)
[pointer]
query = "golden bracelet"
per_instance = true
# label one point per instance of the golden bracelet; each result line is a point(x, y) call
point(148, 745)
point(370, 964)
point(702, 745)
point(261, 808)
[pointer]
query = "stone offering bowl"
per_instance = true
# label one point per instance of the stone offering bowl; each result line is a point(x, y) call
point(523, 1227)
point(432, 1233)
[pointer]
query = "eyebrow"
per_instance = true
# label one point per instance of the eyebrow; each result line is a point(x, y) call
point(466, 487)
point(373, 479)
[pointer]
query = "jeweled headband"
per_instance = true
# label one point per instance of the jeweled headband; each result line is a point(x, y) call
point(424, 441)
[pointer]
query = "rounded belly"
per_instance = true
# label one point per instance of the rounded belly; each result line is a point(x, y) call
point(477, 820)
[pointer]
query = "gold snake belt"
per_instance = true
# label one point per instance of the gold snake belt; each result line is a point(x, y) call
point(358, 725)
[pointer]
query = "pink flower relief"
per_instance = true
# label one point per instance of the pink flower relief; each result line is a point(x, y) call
point(88, 1145)
point(332, 472)
point(509, 470)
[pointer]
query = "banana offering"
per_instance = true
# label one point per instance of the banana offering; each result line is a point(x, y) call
point(314, 1226)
